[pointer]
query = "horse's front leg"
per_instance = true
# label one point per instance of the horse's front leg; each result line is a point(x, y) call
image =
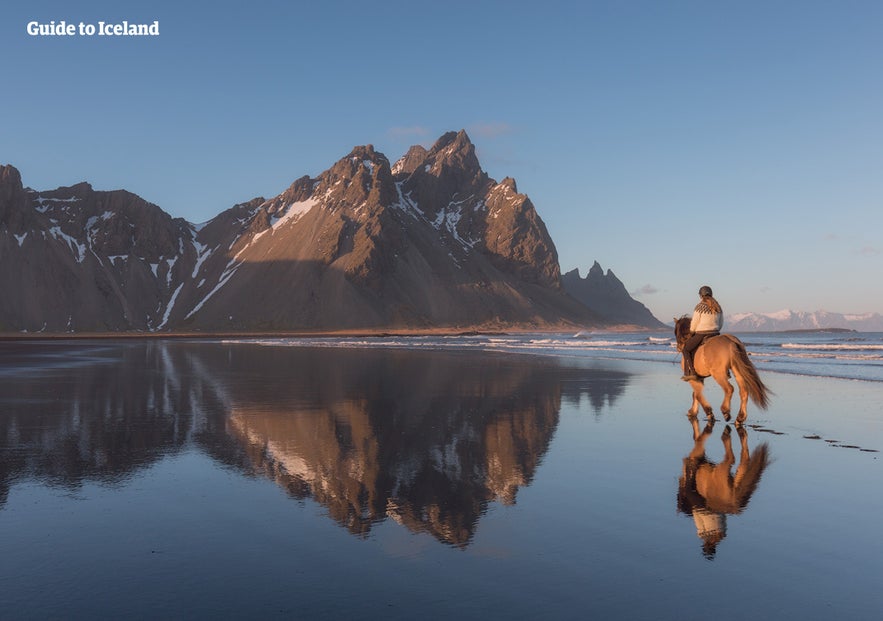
point(699, 399)
point(694, 406)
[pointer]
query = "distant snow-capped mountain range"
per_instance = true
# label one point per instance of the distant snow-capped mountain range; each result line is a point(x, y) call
point(801, 320)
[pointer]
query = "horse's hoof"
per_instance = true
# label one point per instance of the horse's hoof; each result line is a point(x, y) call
point(726, 416)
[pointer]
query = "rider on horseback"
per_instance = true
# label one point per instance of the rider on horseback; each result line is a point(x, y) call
point(708, 319)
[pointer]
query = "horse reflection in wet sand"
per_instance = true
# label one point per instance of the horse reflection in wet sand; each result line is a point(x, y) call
point(709, 492)
point(717, 357)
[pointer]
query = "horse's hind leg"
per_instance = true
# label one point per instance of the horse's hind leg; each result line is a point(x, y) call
point(743, 400)
point(721, 378)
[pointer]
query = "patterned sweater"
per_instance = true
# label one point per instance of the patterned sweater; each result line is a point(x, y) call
point(705, 319)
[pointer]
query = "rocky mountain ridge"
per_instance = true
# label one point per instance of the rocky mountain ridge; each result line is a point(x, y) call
point(428, 242)
point(607, 296)
point(74, 259)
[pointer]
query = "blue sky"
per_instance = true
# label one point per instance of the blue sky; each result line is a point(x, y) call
point(677, 143)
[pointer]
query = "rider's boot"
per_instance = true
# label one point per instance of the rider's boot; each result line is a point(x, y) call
point(689, 372)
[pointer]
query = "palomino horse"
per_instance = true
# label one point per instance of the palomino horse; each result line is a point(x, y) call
point(709, 492)
point(716, 357)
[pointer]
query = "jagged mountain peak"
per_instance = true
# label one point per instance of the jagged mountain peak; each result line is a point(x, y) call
point(596, 274)
point(453, 152)
point(300, 190)
point(9, 177)
point(367, 152)
point(435, 177)
point(508, 183)
point(362, 157)
point(606, 295)
point(362, 178)
point(410, 161)
point(12, 194)
point(453, 141)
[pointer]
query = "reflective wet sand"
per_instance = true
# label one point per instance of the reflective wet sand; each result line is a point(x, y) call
point(192, 479)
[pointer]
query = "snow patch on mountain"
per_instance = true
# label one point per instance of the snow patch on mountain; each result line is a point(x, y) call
point(292, 213)
point(801, 320)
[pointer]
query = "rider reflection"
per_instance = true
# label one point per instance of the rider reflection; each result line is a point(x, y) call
point(709, 491)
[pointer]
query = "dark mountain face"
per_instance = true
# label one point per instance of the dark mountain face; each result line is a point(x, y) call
point(606, 295)
point(430, 241)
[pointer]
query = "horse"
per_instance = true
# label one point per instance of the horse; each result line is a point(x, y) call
point(709, 492)
point(716, 357)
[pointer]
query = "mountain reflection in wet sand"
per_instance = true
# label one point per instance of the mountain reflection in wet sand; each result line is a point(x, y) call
point(426, 439)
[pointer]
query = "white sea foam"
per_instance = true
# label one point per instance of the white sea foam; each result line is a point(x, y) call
point(816, 356)
point(833, 346)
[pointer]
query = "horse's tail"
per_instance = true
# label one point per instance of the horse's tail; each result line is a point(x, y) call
point(760, 459)
point(757, 390)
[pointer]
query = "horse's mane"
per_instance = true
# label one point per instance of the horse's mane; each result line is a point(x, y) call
point(682, 328)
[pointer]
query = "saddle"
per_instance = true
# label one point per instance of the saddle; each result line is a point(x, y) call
point(706, 337)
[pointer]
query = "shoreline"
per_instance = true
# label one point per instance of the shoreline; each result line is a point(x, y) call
point(320, 333)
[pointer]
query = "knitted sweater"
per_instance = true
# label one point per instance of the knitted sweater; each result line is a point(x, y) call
point(705, 319)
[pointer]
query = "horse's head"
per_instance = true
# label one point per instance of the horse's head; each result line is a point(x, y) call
point(682, 330)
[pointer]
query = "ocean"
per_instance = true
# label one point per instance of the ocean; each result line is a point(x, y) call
point(842, 355)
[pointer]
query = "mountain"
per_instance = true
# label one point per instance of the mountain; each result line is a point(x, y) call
point(430, 241)
point(607, 296)
point(74, 259)
point(797, 320)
